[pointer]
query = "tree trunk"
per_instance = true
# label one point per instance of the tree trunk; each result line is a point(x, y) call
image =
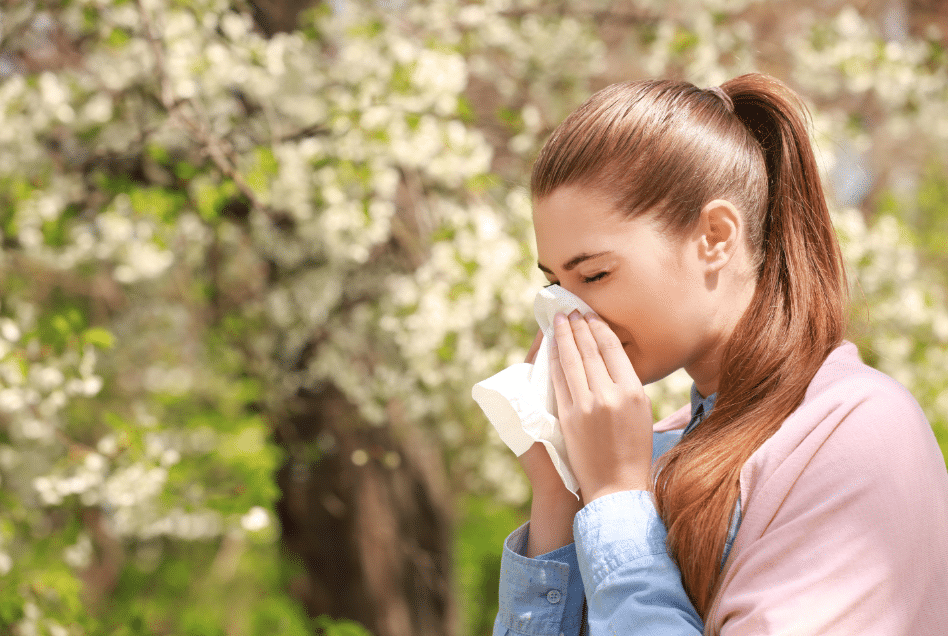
point(367, 514)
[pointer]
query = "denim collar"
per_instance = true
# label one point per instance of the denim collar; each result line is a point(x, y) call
point(700, 408)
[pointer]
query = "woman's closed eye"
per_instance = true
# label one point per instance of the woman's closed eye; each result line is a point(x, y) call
point(595, 277)
point(585, 279)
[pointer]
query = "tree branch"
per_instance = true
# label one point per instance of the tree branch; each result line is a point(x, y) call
point(218, 149)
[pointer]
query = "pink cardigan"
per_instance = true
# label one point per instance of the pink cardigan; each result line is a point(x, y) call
point(845, 516)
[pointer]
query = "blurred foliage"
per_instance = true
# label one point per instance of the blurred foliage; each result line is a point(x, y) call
point(198, 221)
point(484, 525)
point(927, 215)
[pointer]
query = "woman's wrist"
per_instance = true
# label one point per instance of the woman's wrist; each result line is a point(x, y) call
point(553, 507)
point(551, 521)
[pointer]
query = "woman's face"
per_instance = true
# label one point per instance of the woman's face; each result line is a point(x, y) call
point(649, 287)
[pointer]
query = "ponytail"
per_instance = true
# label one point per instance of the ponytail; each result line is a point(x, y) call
point(795, 319)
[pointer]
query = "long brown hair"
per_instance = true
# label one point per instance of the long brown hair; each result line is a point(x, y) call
point(667, 148)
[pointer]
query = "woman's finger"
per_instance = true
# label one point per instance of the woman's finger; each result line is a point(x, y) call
point(597, 375)
point(613, 354)
point(569, 358)
point(560, 387)
point(535, 347)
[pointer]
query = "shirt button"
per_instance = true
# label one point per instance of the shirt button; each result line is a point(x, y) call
point(554, 596)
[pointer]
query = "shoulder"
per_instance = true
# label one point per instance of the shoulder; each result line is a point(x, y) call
point(858, 436)
point(852, 404)
point(847, 500)
point(859, 414)
point(858, 432)
point(845, 381)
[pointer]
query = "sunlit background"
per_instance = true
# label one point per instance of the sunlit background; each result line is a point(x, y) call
point(253, 256)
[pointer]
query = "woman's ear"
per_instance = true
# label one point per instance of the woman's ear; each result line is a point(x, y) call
point(721, 227)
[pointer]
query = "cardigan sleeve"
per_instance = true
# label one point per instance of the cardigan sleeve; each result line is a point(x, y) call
point(846, 522)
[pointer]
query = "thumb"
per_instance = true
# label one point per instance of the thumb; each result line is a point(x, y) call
point(535, 347)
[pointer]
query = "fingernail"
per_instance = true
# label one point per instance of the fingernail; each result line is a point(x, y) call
point(575, 315)
point(591, 316)
point(559, 319)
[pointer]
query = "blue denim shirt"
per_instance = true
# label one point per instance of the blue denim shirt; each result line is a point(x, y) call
point(619, 562)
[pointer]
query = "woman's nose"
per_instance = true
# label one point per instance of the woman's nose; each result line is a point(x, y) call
point(576, 292)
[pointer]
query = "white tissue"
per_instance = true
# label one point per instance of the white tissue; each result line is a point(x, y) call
point(519, 401)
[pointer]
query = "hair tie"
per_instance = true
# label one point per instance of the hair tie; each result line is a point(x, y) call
point(724, 97)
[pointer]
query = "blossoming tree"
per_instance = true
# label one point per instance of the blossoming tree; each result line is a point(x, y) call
point(250, 275)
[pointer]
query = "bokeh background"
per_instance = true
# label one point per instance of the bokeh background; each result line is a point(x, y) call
point(253, 256)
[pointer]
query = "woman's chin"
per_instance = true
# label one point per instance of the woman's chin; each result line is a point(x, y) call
point(646, 373)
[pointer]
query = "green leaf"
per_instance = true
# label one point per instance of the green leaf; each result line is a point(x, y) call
point(60, 327)
point(448, 347)
point(114, 184)
point(90, 18)
point(465, 110)
point(185, 170)
point(11, 607)
point(158, 154)
point(481, 183)
point(279, 615)
point(684, 41)
point(510, 117)
point(159, 202)
point(99, 337)
point(56, 231)
point(401, 78)
point(118, 37)
point(333, 627)
point(264, 169)
point(368, 30)
point(248, 442)
point(212, 197)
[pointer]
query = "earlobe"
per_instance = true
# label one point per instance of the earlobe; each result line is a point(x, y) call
point(721, 226)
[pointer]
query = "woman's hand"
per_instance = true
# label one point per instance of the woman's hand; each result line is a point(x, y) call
point(553, 506)
point(605, 414)
point(535, 347)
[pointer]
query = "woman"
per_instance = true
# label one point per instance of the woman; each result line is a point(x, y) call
point(802, 492)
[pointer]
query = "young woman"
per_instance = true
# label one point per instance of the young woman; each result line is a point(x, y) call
point(802, 492)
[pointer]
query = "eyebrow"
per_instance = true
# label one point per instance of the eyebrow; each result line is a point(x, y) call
point(573, 262)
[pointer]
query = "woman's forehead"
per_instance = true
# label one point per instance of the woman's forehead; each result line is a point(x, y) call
point(575, 221)
point(575, 207)
point(574, 214)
